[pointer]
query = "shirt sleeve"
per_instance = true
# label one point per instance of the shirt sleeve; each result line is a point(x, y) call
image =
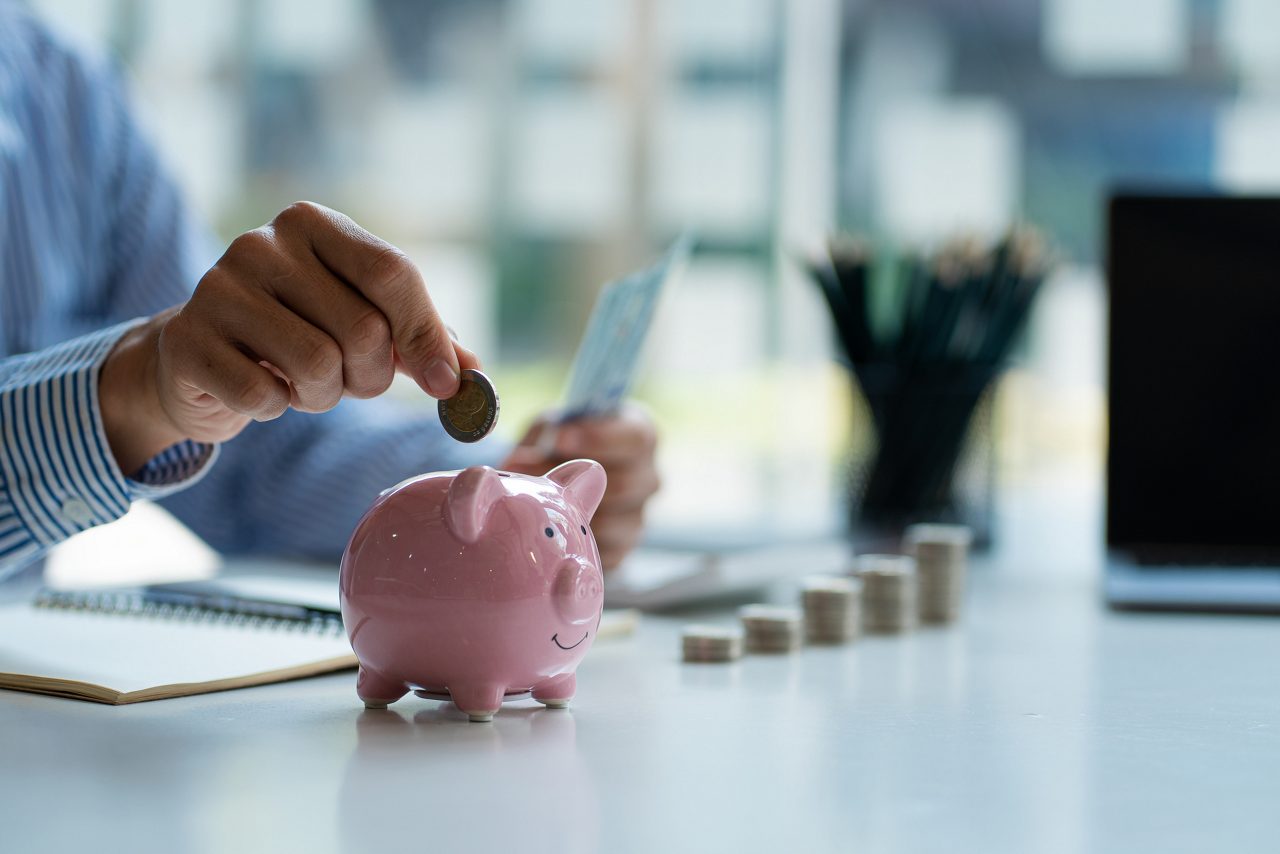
point(57, 473)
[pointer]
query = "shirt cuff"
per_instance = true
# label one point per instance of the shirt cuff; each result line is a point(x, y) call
point(172, 470)
point(59, 475)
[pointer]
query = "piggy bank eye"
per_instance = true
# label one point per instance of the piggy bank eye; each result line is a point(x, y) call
point(584, 529)
point(550, 532)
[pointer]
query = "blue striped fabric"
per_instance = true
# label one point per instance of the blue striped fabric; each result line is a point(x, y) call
point(93, 235)
point(57, 477)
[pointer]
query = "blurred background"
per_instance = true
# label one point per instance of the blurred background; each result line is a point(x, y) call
point(523, 152)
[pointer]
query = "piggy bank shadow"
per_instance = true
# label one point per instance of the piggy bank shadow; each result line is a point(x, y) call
point(424, 770)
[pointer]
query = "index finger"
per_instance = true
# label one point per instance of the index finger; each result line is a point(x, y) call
point(387, 278)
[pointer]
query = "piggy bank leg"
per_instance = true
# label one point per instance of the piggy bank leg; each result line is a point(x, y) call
point(479, 702)
point(556, 693)
point(376, 690)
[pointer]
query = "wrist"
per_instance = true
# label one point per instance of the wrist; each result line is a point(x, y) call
point(136, 424)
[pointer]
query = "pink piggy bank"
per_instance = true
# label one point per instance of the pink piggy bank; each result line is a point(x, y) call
point(475, 586)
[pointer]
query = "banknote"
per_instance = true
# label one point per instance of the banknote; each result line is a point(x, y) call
point(609, 353)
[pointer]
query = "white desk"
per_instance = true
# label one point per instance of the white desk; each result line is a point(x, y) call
point(1043, 723)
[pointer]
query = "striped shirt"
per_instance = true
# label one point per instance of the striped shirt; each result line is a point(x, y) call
point(93, 237)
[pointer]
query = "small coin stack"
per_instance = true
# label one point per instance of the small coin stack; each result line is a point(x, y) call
point(888, 593)
point(771, 628)
point(832, 609)
point(942, 557)
point(711, 644)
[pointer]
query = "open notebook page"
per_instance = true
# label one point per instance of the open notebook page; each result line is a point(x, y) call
point(122, 658)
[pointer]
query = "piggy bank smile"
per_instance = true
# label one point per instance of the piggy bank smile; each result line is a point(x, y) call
point(555, 639)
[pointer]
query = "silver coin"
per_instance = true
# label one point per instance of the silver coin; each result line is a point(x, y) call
point(944, 536)
point(769, 614)
point(472, 413)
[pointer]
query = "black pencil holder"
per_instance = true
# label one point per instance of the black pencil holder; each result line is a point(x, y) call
point(928, 453)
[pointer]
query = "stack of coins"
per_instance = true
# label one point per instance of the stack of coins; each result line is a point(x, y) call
point(942, 557)
point(888, 593)
point(771, 628)
point(832, 609)
point(711, 643)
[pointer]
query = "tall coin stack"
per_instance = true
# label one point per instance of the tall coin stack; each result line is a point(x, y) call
point(942, 557)
point(888, 593)
point(771, 628)
point(832, 609)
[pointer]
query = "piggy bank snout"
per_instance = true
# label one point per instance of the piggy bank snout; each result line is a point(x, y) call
point(577, 591)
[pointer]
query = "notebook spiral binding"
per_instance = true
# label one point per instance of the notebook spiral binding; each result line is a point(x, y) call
point(235, 613)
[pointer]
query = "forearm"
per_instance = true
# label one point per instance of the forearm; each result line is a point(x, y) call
point(58, 475)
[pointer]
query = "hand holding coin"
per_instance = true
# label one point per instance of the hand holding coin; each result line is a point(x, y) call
point(296, 314)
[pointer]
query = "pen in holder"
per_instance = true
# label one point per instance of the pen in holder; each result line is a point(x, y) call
point(924, 339)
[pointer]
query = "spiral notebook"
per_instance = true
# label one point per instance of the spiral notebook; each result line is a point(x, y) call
point(120, 647)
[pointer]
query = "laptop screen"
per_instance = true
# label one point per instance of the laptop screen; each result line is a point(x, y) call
point(1193, 466)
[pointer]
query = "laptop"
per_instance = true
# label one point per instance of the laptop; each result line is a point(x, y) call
point(1193, 461)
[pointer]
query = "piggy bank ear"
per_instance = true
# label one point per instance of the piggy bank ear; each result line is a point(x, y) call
point(583, 482)
point(472, 496)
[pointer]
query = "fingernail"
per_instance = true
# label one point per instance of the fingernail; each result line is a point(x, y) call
point(441, 379)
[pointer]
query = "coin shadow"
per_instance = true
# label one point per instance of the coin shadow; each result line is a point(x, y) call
point(829, 668)
point(713, 676)
point(771, 674)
